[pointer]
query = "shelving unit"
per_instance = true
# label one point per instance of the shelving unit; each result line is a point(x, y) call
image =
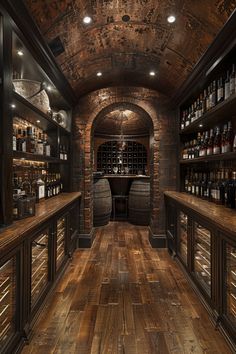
point(131, 160)
point(202, 256)
point(39, 266)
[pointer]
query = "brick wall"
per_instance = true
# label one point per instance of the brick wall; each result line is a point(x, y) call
point(151, 105)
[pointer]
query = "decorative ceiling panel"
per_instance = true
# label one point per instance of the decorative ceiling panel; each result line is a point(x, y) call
point(126, 51)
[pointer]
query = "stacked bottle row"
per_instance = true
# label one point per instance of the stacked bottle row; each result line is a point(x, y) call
point(217, 186)
point(216, 92)
point(32, 185)
point(213, 142)
point(231, 282)
point(30, 138)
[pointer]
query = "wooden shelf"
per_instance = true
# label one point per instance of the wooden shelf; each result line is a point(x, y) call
point(218, 157)
point(34, 157)
point(222, 112)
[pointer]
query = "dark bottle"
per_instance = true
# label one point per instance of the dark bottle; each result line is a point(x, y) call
point(223, 139)
point(217, 142)
point(210, 143)
point(197, 185)
point(230, 192)
point(204, 187)
point(215, 188)
point(227, 85)
point(213, 94)
point(229, 138)
point(220, 90)
point(14, 145)
point(224, 186)
point(210, 185)
point(30, 142)
point(204, 101)
point(232, 83)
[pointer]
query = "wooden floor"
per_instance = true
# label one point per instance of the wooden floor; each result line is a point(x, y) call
point(122, 296)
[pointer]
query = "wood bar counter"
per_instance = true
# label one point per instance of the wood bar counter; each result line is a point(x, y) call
point(33, 253)
point(202, 236)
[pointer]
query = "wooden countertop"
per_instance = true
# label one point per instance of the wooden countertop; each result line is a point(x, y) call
point(224, 218)
point(14, 234)
point(126, 176)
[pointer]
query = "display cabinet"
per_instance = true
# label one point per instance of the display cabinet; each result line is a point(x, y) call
point(128, 159)
point(202, 256)
point(231, 283)
point(8, 299)
point(61, 228)
point(183, 237)
point(39, 265)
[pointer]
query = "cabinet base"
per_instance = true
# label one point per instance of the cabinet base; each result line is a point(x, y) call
point(86, 240)
point(157, 241)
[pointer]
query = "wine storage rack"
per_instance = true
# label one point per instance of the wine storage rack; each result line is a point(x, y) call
point(7, 300)
point(231, 283)
point(202, 256)
point(39, 272)
point(60, 241)
point(183, 241)
point(131, 160)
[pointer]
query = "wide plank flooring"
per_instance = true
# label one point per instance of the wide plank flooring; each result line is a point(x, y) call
point(123, 297)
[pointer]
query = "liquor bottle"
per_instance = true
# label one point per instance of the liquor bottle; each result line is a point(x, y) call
point(201, 106)
point(223, 182)
point(223, 139)
point(185, 152)
point(224, 186)
point(205, 144)
point(230, 192)
point(38, 185)
point(26, 186)
point(232, 84)
point(182, 125)
point(213, 94)
point(14, 145)
point(229, 138)
point(30, 142)
point(61, 152)
point(205, 101)
point(210, 185)
point(210, 95)
point(204, 187)
point(65, 152)
point(210, 143)
point(197, 185)
point(217, 142)
point(227, 85)
point(220, 90)
point(208, 98)
point(202, 150)
point(46, 145)
point(39, 144)
point(234, 143)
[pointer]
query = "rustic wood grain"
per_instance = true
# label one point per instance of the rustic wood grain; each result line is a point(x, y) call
point(124, 300)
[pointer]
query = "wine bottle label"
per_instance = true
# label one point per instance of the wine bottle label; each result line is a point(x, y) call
point(209, 151)
point(232, 85)
point(15, 211)
point(227, 90)
point(41, 191)
point(14, 143)
point(23, 146)
point(220, 94)
point(39, 149)
point(217, 194)
point(47, 150)
point(216, 150)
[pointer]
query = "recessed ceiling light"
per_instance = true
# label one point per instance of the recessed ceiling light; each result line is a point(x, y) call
point(171, 18)
point(38, 121)
point(99, 73)
point(13, 105)
point(87, 20)
point(49, 88)
point(20, 53)
point(152, 73)
point(200, 125)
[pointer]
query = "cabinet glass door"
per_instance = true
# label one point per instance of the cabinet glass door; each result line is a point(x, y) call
point(202, 256)
point(183, 239)
point(60, 241)
point(39, 270)
point(231, 282)
point(7, 301)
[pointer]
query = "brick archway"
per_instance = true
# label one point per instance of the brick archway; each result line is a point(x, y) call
point(85, 121)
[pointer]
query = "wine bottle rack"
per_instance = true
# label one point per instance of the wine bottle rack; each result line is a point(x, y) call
point(39, 274)
point(183, 241)
point(202, 256)
point(131, 160)
point(231, 283)
point(7, 300)
point(60, 240)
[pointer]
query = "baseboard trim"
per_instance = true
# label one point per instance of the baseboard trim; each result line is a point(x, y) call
point(86, 240)
point(157, 240)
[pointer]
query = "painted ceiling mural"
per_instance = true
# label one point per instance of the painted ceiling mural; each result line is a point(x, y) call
point(126, 39)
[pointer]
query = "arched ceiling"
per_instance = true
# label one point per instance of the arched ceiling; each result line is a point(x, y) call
point(125, 52)
point(127, 122)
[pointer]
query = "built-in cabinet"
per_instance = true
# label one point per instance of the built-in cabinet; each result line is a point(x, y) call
point(207, 252)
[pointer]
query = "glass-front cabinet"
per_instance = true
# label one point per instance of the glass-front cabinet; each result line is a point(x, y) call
point(39, 265)
point(202, 256)
point(183, 237)
point(231, 283)
point(60, 241)
point(7, 301)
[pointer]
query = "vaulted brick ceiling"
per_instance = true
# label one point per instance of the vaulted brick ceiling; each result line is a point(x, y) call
point(125, 52)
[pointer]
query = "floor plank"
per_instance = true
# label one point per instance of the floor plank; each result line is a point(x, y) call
point(123, 297)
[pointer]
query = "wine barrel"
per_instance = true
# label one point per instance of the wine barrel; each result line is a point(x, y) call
point(139, 202)
point(102, 202)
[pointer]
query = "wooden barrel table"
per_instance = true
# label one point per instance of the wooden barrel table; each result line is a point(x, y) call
point(139, 202)
point(102, 202)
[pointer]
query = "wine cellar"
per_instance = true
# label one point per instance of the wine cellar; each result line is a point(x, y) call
point(118, 177)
